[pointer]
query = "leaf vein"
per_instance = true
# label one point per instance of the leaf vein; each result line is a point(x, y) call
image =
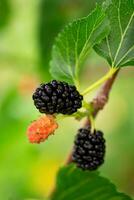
point(129, 50)
point(119, 18)
point(109, 50)
point(125, 31)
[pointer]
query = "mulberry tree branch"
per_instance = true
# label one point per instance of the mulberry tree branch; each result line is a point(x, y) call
point(99, 102)
point(102, 97)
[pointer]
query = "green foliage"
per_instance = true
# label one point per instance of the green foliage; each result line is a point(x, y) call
point(118, 47)
point(73, 44)
point(54, 14)
point(4, 12)
point(75, 184)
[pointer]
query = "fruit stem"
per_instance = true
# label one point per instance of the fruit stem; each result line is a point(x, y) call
point(100, 81)
point(91, 118)
point(78, 115)
point(86, 105)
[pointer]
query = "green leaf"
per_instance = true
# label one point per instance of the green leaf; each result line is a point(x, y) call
point(75, 184)
point(50, 23)
point(73, 44)
point(118, 47)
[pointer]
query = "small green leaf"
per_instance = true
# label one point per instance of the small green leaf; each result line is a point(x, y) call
point(73, 44)
point(75, 184)
point(118, 47)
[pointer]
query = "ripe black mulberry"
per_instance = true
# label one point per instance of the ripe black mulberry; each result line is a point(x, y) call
point(57, 97)
point(89, 149)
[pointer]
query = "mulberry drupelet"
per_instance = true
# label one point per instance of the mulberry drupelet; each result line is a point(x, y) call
point(89, 149)
point(57, 97)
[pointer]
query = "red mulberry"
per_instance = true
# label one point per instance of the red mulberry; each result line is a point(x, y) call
point(39, 130)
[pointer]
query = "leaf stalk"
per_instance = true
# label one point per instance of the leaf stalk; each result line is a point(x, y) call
point(100, 81)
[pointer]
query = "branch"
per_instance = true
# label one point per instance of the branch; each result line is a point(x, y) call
point(102, 97)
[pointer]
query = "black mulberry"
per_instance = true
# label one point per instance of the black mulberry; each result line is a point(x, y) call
point(89, 149)
point(57, 97)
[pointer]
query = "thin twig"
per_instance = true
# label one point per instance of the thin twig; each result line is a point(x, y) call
point(102, 97)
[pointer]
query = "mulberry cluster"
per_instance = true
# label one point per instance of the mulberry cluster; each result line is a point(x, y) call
point(39, 130)
point(89, 149)
point(57, 97)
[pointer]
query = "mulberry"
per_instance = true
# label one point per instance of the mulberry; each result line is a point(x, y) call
point(89, 149)
point(39, 130)
point(57, 97)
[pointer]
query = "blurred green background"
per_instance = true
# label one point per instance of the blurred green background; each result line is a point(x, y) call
point(27, 31)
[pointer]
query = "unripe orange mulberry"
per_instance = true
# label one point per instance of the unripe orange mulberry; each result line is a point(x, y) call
point(39, 130)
